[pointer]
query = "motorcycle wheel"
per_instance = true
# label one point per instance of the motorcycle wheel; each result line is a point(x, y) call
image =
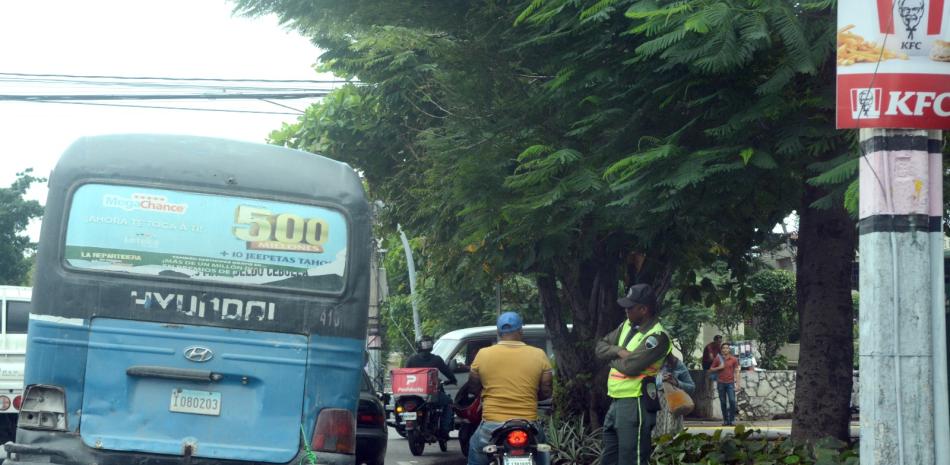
point(465, 434)
point(443, 445)
point(417, 442)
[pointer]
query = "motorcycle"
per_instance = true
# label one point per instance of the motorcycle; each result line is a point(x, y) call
point(420, 418)
point(417, 407)
point(515, 442)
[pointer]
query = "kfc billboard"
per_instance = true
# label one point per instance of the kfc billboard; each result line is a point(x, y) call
point(893, 64)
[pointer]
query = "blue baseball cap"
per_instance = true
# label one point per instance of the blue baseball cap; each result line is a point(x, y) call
point(509, 322)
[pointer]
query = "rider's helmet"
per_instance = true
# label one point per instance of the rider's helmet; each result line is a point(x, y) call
point(424, 344)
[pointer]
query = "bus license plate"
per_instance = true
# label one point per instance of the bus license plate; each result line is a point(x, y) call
point(197, 402)
point(518, 461)
point(408, 415)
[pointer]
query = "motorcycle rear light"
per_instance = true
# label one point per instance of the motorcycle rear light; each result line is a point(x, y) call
point(335, 431)
point(17, 402)
point(44, 408)
point(399, 409)
point(517, 438)
point(5, 403)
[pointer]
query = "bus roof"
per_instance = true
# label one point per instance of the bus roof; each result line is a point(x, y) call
point(16, 292)
point(209, 163)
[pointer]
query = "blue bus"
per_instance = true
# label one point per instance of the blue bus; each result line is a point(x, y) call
point(196, 301)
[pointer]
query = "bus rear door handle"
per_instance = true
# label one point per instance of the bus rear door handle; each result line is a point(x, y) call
point(148, 371)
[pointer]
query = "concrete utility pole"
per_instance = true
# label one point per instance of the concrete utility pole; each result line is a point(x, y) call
point(904, 405)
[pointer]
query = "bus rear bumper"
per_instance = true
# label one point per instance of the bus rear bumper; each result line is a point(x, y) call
point(45, 448)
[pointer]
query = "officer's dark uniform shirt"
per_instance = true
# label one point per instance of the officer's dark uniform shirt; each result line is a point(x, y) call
point(430, 360)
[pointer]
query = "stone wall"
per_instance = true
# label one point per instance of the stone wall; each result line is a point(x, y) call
point(765, 395)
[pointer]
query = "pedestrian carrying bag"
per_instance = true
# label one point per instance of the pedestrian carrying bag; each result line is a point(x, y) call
point(677, 400)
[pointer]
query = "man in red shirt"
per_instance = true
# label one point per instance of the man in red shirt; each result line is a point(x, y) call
point(711, 351)
point(727, 384)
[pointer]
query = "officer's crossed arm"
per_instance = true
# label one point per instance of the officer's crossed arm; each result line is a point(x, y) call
point(653, 348)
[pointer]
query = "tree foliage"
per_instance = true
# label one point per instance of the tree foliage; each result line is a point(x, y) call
point(773, 313)
point(583, 144)
point(15, 215)
point(445, 305)
point(684, 322)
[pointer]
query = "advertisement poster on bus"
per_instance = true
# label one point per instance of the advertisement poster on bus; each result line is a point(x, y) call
point(893, 64)
point(235, 240)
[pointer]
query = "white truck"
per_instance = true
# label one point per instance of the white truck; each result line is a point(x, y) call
point(14, 317)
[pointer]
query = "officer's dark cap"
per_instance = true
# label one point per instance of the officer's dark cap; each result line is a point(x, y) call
point(639, 294)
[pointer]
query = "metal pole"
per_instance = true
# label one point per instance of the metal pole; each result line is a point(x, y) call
point(416, 324)
point(901, 414)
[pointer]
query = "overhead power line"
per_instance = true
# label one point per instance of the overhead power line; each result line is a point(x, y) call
point(161, 107)
point(95, 97)
point(161, 78)
point(80, 83)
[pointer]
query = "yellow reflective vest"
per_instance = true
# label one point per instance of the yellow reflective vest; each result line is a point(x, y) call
point(621, 386)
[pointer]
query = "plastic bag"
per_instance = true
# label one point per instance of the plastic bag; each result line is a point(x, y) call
point(677, 400)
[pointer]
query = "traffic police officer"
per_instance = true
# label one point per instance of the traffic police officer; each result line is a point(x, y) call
point(635, 350)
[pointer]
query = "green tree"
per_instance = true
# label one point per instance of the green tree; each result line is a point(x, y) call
point(773, 313)
point(743, 121)
point(15, 215)
point(587, 144)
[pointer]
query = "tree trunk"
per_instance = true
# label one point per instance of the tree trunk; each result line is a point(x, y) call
point(826, 245)
point(588, 291)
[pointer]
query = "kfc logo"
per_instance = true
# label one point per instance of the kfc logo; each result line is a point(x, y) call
point(866, 103)
point(910, 15)
point(911, 12)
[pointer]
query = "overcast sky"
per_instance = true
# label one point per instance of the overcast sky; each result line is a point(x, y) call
point(172, 38)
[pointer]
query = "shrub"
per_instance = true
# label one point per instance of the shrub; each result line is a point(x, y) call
point(574, 442)
point(744, 448)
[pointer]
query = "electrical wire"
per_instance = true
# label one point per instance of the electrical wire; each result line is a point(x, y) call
point(93, 97)
point(161, 107)
point(159, 78)
point(147, 84)
point(284, 106)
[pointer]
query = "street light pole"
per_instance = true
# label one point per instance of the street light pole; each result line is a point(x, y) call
point(416, 323)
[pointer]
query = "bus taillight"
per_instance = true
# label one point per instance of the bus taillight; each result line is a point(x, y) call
point(4, 403)
point(44, 408)
point(335, 431)
point(17, 402)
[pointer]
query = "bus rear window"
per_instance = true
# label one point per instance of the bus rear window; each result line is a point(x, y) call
point(225, 239)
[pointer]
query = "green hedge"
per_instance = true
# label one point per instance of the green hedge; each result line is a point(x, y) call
point(748, 448)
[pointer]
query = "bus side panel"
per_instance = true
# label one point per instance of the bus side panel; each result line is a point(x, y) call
point(335, 365)
point(56, 354)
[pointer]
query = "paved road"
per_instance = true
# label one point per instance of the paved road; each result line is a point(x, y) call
point(397, 453)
